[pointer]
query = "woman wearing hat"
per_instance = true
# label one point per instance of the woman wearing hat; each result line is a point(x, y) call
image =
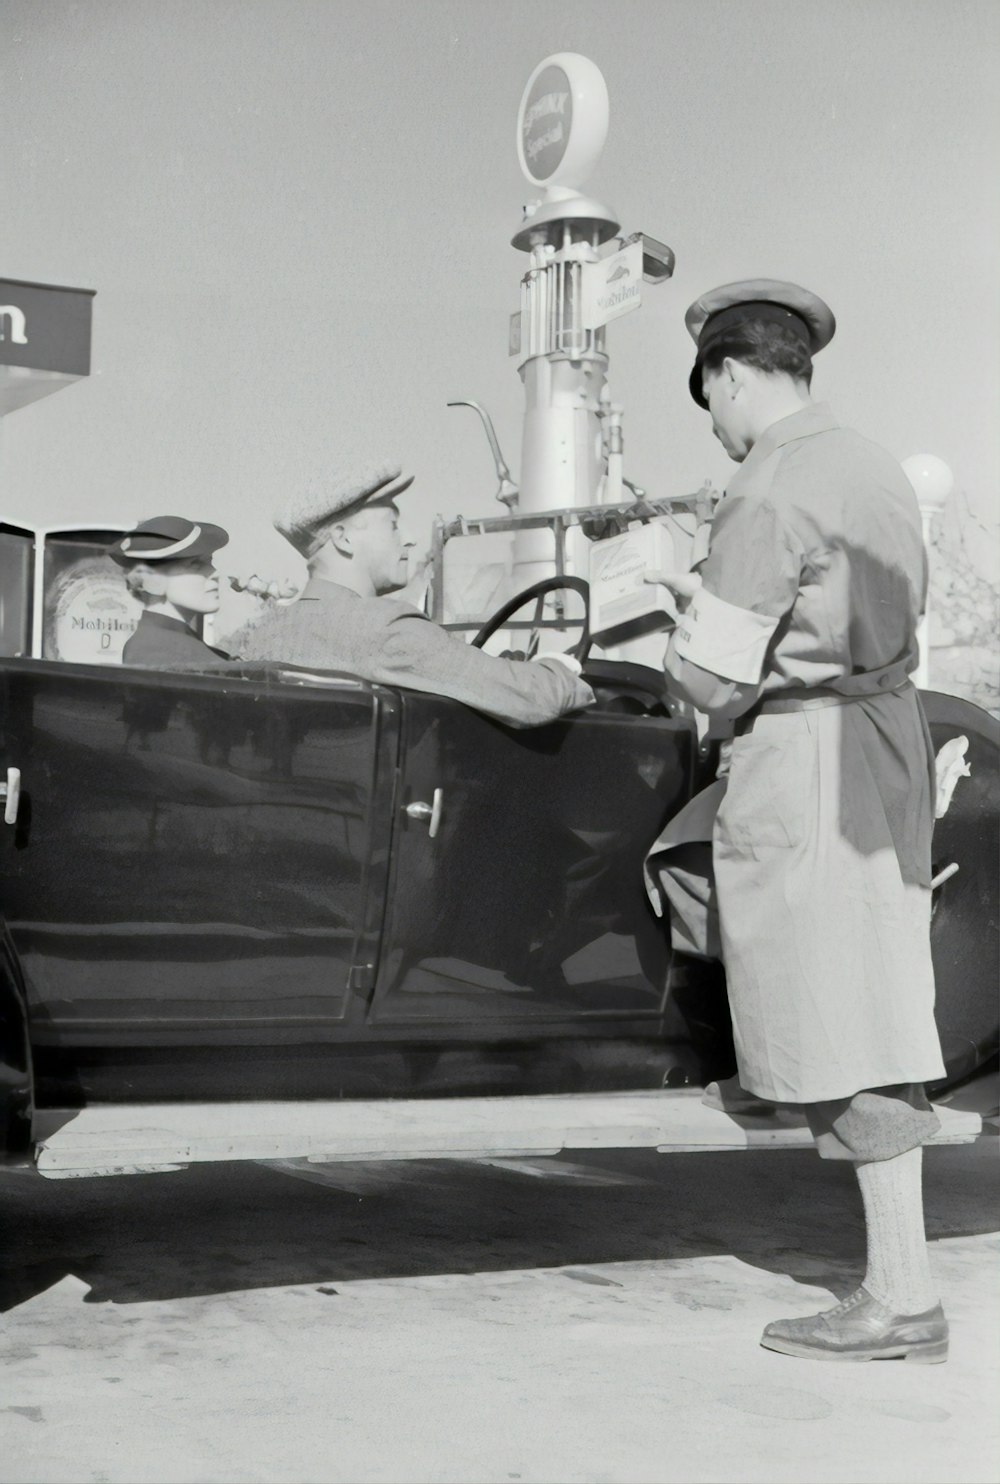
point(801, 630)
point(168, 567)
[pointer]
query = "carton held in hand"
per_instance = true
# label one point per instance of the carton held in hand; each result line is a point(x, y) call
point(622, 605)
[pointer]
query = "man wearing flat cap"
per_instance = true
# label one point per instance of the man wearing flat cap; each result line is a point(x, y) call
point(168, 566)
point(801, 629)
point(348, 532)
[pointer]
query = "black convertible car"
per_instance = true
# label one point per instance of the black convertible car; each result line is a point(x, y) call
point(259, 912)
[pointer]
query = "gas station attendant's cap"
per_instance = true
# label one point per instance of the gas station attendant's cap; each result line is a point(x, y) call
point(307, 523)
point(168, 538)
point(719, 317)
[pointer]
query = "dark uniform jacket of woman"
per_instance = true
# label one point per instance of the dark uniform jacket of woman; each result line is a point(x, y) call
point(161, 640)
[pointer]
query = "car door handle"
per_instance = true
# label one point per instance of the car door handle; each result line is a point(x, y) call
point(420, 810)
point(10, 792)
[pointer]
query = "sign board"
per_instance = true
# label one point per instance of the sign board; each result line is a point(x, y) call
point(44, 339)
point(611, 287)
point(87, 610)
point(562, 122)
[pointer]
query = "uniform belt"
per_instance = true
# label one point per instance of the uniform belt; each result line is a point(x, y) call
point(811, 702)
point(782, 704)
point(807, 700)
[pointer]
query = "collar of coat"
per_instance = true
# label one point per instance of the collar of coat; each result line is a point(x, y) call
point(321, 589)
point(813, 419)
point(167, 622)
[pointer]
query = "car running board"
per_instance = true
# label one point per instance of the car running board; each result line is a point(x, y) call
point(121, 1139)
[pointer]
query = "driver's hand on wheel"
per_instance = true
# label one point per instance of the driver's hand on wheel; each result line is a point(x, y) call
point(573, 665)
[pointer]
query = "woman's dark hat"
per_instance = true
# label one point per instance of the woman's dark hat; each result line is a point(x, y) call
point(168, 538)
point(719, 316)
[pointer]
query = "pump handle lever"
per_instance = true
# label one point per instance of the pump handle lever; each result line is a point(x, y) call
point(508, 490)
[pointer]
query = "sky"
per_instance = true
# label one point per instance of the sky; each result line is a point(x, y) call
point(297, 217)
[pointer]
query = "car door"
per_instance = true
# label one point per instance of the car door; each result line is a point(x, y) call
point(525, 905)
point(193, 851)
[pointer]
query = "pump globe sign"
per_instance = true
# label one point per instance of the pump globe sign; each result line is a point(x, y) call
point(562, 122)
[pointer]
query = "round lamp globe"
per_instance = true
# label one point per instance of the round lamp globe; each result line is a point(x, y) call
point(931, 478)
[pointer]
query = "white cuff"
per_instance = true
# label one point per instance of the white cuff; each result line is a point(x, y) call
point(726, 640)
point(567, 660)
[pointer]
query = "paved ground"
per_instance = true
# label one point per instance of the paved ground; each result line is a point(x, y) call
point(436, 1323)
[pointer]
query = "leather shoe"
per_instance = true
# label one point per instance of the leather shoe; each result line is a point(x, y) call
point(861, 1328)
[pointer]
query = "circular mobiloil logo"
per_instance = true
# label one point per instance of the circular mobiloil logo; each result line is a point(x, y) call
point(89, 613)
point(562, 122)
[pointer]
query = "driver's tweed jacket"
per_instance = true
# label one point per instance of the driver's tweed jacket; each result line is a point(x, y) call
point(392, 643)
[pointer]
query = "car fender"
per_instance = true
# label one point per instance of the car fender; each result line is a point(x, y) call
point(965, 924)
point(16, 1081)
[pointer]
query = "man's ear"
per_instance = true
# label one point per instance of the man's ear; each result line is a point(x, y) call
point(734, 374)
point(340, 539)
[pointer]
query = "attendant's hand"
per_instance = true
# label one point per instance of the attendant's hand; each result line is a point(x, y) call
point(683, 585)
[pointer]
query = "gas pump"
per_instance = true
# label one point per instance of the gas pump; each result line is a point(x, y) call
point(576, 283)
point(572, 445)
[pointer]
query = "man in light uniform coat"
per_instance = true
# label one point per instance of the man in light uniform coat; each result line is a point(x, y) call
point(802, 628)
point(348, 531)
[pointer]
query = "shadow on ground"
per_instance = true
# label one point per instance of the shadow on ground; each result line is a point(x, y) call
point(226, 1228)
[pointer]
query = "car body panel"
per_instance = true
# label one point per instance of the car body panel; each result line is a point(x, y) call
point(214, 891)
point(194, 853)
point(524, 907)
point(209, 858)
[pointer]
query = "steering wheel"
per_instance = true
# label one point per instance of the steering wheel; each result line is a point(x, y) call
point(620, 685)
point(538, 591)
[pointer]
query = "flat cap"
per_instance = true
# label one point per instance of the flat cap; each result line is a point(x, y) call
point(307, 522)
point(168, 538)
point(720, 315)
